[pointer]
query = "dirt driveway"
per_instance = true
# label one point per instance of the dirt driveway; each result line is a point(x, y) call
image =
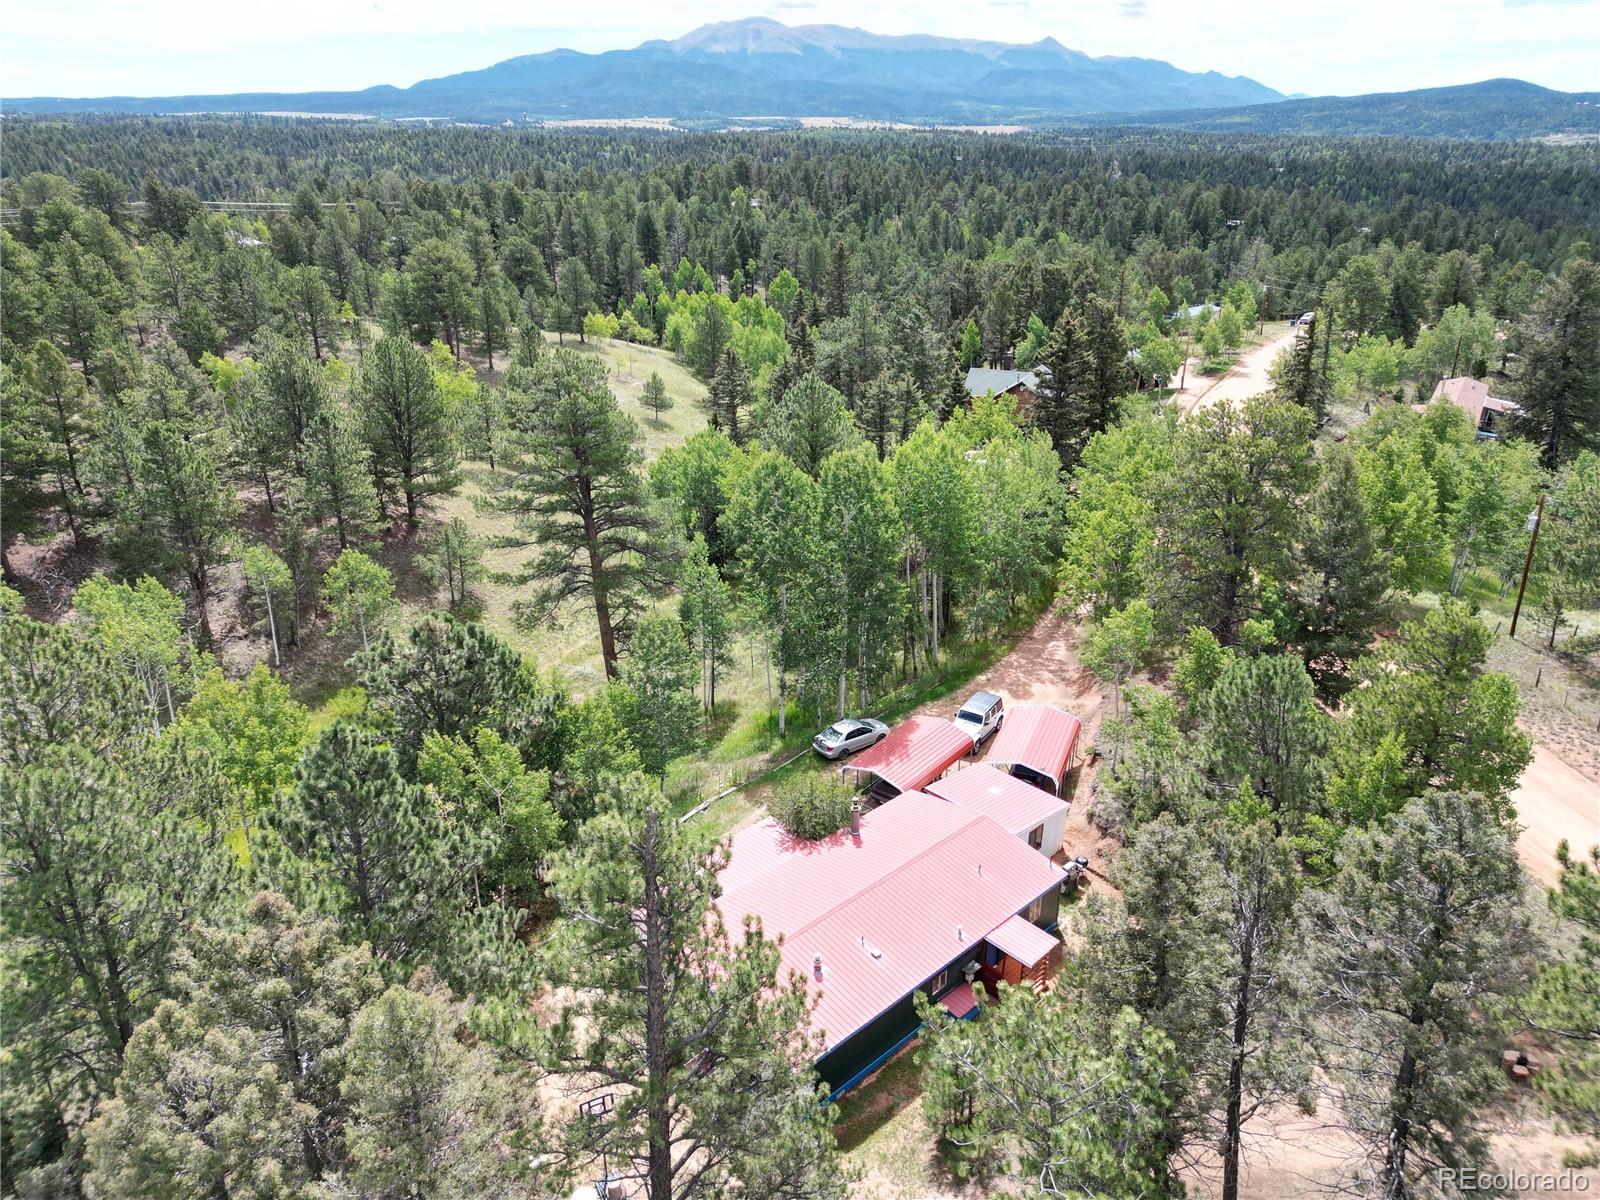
point(1555, 801)
point(1043, 668)
point(1249, 376)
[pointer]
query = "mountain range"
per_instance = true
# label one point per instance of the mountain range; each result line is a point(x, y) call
point(759, 71)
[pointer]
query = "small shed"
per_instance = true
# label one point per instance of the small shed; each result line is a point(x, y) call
point(916, 752)
point(1037, 817)
point(1036, 744)
point(1020, 950)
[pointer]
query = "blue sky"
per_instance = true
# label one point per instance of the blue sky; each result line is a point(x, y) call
point(168, 47)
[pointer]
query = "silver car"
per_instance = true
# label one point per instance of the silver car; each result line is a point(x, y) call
point(848, 736)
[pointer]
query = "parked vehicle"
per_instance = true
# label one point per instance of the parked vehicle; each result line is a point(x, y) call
point(848, 736)
point(980, 716)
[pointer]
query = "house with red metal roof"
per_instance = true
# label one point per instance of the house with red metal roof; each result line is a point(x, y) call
point(916, 752)
point(1036, 743)
point(920, 895)
point(1036, 816)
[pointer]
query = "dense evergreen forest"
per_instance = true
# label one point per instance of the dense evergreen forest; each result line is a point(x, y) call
point(317, 884)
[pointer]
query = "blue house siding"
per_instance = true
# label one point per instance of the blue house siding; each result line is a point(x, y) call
point(864, 1051)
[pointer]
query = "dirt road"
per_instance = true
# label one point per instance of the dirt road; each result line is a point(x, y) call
point(1250, 375)
point(1555, 801)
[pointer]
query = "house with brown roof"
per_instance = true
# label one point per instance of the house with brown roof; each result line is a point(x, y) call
point(1489, 413)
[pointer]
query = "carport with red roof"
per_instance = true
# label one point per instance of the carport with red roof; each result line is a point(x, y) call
point(1021, 809)
point(916, 752)
point(1036, 742)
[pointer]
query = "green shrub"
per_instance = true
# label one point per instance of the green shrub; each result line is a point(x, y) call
point(812, 806)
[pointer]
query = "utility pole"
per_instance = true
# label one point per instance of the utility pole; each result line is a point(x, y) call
point(1538, 518)
point(1183, 375)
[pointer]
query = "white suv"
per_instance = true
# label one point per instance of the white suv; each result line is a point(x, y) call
point(980, 716)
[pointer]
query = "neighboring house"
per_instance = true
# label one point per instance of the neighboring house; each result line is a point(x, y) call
point(916, 752)
point(921, 895)
point(1193, 311)
point(996, 381)
point(1471, 396)
point(1036, 745)
point(1035, 816)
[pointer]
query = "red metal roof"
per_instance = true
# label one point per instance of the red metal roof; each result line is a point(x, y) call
point(1024, 941)
point(1016, 806)
point(924, 881)
point(1036, 736)
point(916, 752)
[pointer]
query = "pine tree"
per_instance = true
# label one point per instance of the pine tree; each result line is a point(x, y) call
point(1455, 722)
point(728, 400)
point(428, 1115)
point(655, 396)
point(338, 481)
point(696, 1031)
point(1162, 951)
point(1083, 371)
point(1264, 731)
point(60, 392)
point(1343, 582)
point(578, 496)
point(57, 688)
point(1265, 1057)
point(1566, 1001)
point(409, 427)
point(1070, 1105)
point(389, 865)
point(106, 867)
point(1227, 511)
point(483, 424)
point(1421, 940)
point(1557, 376)
point(451, 677)
point(1303, 377)
point(806, 423)
point(836, 284)
point(453, 557)
point(181, 510)
point(260, 445)
point(296, 386)
point(257, 1045)
point(311, 307)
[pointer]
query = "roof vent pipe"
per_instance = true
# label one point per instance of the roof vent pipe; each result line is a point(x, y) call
point(816, 965)
point(855, 818)
point(960, 936)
